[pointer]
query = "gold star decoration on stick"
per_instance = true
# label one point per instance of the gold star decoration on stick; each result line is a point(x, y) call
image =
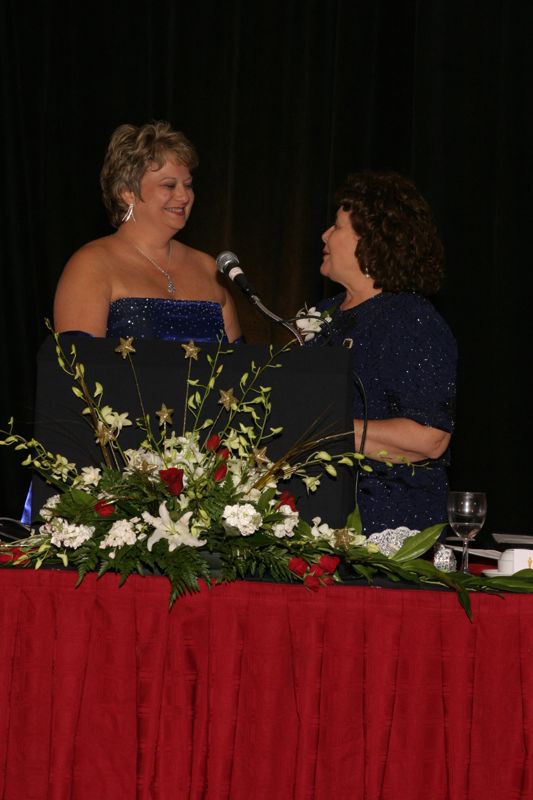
point(104, 435)
point(260, 456)
point(342, 538)
point(227, 398)
point(125, 347)
point(165, 415)
point(191, 350)
point(145, 468)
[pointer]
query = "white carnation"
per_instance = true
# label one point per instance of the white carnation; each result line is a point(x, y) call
point(121, 532)
point(66, 534)
point(241, 518)
point(47, 511)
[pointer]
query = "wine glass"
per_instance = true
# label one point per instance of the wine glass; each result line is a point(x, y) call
point(466, 515)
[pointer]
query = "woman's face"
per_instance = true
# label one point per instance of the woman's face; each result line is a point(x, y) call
point(340, 263)
point(167, 196)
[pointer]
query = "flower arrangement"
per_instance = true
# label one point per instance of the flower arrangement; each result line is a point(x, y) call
point(206, 503)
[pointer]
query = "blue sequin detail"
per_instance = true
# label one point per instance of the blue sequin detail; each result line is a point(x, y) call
point(155, 318)
point(406, 357)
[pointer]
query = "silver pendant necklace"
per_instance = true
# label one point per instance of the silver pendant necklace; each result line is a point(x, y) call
point(171, 289)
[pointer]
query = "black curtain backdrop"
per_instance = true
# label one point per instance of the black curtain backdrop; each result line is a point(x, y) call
point(282, 100)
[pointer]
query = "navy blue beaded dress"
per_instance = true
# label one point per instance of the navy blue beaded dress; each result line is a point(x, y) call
point(406, 358)
point(175, 320)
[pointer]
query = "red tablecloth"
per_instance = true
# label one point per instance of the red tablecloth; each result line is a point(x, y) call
point(252, 691)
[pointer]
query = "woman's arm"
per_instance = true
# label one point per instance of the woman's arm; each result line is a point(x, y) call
point(231, 320)
point(402, 439)
point(83, 294)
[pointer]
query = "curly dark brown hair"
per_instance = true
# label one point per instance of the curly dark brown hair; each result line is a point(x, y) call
point(399, 245)
point(131, 151)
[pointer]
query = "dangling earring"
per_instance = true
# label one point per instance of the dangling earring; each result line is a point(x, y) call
point(129, 214)
point(366, 273)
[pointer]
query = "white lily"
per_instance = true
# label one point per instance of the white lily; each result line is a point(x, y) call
point(176, 532)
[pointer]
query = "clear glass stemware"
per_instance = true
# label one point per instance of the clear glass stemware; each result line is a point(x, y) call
point(466, 515)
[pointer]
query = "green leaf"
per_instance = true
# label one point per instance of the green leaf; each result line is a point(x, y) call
point(418, 544)
point(521, 581)
point(364, 571)
point(353, 520)
point(464, 599)
point(303, 527)
point(74, 503)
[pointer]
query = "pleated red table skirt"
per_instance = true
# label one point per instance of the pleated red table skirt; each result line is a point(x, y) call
point(252, 691)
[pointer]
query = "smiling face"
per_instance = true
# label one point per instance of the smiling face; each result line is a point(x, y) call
point(166, 196)
point(340, 263)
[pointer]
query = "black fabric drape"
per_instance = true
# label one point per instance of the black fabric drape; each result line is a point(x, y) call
point(282, 100)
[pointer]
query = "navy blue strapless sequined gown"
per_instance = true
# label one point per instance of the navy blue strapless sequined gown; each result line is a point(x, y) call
point(175, 320)
point(406, 357)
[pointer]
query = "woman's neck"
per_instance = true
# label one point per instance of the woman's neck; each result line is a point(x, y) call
point(354, 297)
point(153, 241)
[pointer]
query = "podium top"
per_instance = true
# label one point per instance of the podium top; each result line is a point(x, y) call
point(310, 391)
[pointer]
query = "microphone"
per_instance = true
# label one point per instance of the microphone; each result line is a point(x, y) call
point(228, 264)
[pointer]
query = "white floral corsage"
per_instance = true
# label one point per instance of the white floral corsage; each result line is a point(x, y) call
point(310, 321)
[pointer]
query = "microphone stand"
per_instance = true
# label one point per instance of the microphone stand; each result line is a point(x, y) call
point(270, 314)
point(228, 264)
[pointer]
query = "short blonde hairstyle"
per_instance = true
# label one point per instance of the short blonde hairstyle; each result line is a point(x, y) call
point(132, 150)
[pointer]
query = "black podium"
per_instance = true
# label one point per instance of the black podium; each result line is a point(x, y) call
point(312, 385)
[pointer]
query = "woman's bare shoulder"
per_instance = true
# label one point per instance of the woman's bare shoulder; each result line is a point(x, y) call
point(95, 255)
point(197, 257)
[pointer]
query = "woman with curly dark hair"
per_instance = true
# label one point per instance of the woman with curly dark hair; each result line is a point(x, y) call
point(384, 250)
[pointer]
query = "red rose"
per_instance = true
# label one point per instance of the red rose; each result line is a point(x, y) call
point(173, 479)
point(317, 570)
point(286, 499)
point(223, 453)
point(298, 566)
point(12, 555)
point(213, 442)
point(330, 563)
point(104, 508)
point(220, 472)
point(312, 582)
